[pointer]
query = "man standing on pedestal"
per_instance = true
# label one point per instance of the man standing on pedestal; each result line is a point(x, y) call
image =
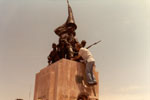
point(89, 61)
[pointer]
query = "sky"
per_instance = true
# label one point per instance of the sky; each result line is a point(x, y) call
point(122, 58)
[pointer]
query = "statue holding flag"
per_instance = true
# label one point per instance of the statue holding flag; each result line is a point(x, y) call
point(68, 46)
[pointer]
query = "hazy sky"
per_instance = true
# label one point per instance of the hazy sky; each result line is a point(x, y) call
point(122, 58)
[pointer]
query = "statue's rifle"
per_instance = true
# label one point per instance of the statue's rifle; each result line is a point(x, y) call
point(93, 44)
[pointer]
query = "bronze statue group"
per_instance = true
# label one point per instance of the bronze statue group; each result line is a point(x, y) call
point(66, 44)
point(68, 47)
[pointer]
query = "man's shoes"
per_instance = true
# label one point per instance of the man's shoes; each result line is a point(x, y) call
point(92, 83)
point(95, 83)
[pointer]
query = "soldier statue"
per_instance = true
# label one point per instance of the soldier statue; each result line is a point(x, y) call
point(54, 55)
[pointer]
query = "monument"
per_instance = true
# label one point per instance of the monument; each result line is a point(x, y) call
point(66, 78)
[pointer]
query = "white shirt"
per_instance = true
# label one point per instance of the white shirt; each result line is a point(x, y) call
point(86, 54)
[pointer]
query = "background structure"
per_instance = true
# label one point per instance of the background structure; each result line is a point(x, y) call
point(122, 58)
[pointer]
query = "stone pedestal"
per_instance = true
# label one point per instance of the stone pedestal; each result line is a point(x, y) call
point(64, 80)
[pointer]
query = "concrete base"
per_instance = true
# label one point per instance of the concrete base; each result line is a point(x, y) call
point(64, 80)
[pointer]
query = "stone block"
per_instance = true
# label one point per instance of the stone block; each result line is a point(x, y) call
point(64, 80)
